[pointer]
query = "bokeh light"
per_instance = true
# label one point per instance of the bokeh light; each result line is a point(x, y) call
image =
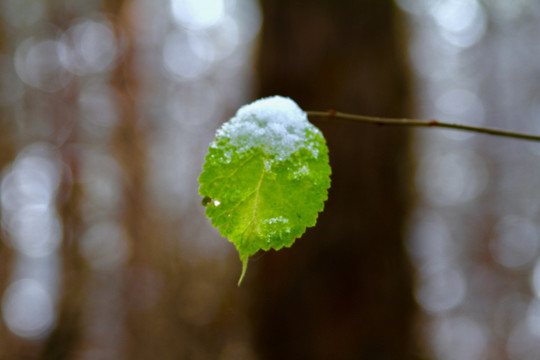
point(27, 309)
point(89, 47)
point(38, 64)
point(458, 337)
point(515, 242)
point(451, 178)
point(198, 14)
point(461, 22)
point(104, 245)
point(186, 55)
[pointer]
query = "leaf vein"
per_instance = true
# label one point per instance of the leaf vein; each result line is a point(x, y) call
point(237, 168)
point(255, 201)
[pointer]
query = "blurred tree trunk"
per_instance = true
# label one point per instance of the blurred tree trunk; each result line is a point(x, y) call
point(344, 290)
point(7, 153)
point(142, 339)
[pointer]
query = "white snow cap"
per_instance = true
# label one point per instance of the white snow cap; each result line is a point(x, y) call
point(276, 123)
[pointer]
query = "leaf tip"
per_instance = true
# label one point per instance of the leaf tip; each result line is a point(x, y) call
point(244, 269)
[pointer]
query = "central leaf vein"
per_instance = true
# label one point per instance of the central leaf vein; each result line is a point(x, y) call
point(255, 202)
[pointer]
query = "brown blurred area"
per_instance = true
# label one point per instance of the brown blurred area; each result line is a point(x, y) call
point(428, 245)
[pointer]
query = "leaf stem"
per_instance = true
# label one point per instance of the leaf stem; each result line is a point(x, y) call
point(245, 260)
point(421, 123)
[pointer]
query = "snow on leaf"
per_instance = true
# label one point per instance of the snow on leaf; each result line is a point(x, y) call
point(267, 174)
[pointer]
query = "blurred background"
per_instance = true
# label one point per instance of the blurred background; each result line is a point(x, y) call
point(428, 247)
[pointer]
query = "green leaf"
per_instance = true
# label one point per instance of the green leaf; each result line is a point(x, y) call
point(266, 176)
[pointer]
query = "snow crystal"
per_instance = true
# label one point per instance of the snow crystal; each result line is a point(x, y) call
point(276, 220)
point(276, 123)
point(303, 171)
point(275, 226)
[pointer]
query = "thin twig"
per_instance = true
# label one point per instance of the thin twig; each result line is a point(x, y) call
point(421, 123)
